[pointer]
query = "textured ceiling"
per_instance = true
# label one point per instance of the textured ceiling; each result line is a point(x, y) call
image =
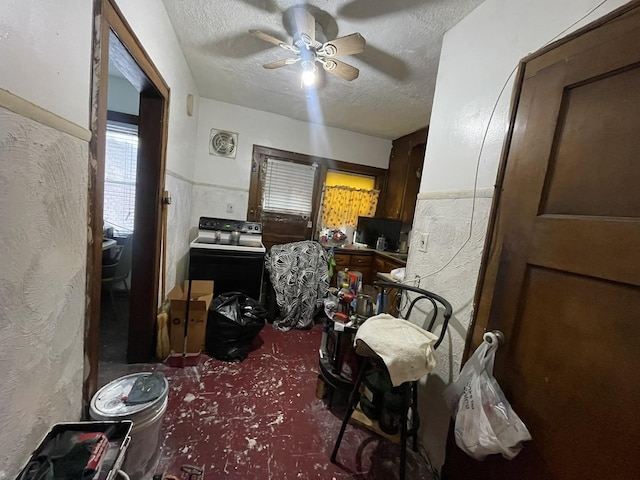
point(392, 96)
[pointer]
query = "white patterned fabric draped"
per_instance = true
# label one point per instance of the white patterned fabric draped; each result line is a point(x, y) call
point(299, 274)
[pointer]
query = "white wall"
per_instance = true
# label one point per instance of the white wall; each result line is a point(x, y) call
point(478, 55)
point(222, 180)
point(43, 206)
point(45, 53)
point(150, 23)
point(46, 60)
point(122, 97)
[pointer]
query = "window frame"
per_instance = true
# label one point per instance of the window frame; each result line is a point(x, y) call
point(126, 120)
point(261, 153)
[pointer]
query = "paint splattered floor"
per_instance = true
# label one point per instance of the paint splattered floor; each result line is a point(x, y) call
point(260, 418)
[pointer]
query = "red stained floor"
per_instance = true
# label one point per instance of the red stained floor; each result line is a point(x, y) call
point(260, 419)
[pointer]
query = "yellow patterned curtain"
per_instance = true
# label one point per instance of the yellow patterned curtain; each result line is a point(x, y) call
point(343, 205)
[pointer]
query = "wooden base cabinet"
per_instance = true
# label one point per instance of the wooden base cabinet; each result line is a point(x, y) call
point(384, 264)
point(368, 262)
point(358, 262)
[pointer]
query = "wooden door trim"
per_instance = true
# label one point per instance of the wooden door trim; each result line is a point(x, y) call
point(489, 265)
point(321, 161)
point(115, 19)
point(324, 164)
point(148, 229)
point(142, 73)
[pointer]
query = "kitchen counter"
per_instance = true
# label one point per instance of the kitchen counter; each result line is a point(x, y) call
point(395, 256)
point(367, 261)
point(402, 257)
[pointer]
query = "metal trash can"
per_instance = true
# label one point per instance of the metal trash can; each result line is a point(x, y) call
point(111, 402)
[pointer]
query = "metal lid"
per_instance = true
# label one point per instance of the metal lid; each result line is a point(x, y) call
point(109, 401)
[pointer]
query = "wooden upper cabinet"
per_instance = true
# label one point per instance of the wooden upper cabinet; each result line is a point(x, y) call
point(403, 176)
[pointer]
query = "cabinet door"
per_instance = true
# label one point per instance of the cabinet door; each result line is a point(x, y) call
point(400, 169)
point(367, 278)
point(396, 178)
point(362, 264)
point(378, 266)
point(342, 260)
point(412, 182)
point(390, 265)
point(360, 261)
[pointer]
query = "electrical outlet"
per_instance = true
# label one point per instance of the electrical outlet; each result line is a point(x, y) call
point(229, 207)
point(423, 242)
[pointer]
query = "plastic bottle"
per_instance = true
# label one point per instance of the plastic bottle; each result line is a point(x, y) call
point(380, 307)
point(323, 342)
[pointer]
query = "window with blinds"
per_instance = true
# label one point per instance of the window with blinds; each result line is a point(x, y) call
point(120, 176)
point(288, 187)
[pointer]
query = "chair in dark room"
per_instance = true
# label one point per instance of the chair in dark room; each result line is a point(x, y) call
point(439, 315)
point(117, 273)
point(298, 278)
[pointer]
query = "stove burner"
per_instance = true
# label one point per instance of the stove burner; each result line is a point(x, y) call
point(229, 235)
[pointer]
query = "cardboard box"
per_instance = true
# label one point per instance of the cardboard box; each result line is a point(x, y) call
point(201, 296)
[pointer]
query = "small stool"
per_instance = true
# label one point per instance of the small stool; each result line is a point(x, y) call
point(409, 389)
point(409, 395)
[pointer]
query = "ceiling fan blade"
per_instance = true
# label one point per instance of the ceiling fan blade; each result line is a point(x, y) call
point(347, 45)
point(280, 63)
point(267, 38)
point(305, 25)
point(341, 69)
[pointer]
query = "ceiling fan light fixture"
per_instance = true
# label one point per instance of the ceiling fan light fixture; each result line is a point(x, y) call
point(309, 77)
point(309, 49)
point(329, 50)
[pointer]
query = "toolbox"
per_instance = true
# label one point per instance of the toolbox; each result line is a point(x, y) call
point(82, 450)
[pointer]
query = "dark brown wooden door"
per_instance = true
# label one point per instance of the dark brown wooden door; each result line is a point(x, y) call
point(279, 227)
point(563, 277)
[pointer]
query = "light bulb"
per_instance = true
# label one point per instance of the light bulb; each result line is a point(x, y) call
point(308, 77)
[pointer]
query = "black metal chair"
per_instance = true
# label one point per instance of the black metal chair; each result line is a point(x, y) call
point(118, 273)
point(408, 390)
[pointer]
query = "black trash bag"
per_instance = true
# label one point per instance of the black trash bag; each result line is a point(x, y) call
point(233, 322)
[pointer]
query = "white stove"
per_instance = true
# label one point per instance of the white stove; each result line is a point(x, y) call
point(229, 252)
point(233, 235)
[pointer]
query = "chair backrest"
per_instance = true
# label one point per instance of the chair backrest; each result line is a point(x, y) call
point(123, 266)
point(438, 303)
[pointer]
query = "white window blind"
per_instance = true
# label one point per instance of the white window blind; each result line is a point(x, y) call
point(288, 187)
point(120, 176)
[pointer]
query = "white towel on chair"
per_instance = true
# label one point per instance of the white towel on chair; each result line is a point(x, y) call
point(405, 348)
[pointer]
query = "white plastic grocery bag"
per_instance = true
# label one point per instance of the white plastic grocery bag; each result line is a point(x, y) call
point(485, 423)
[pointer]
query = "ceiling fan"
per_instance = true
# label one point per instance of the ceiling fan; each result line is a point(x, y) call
point(309, 50)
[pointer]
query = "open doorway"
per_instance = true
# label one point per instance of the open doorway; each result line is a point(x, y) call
point(119, 212)
point(117, 49)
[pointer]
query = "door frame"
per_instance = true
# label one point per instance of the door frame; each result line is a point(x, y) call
point(138, 68)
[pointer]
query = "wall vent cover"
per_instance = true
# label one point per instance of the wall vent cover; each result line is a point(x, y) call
point(223, 143)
